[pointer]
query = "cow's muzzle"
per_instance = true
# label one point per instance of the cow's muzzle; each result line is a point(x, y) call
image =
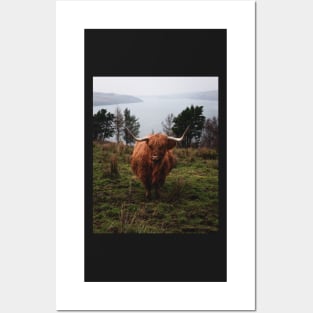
point(155, 158)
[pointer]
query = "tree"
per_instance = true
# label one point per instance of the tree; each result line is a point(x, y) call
point(209, 137)
point(131, 122)
point(118, 124)
point(168, 125)
point(190, 116)
point(102, 125)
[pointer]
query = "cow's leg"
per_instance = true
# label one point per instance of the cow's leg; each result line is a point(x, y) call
point(148, 194)
point(158, 186)
point(147, 184)
point(157, 192)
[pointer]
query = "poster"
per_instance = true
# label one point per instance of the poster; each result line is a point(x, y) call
point(176, 225)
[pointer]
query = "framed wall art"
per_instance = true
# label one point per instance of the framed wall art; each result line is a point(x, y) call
point(155, 155)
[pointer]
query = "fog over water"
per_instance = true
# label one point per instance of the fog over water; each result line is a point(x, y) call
point(160, 96)
point(153, 110)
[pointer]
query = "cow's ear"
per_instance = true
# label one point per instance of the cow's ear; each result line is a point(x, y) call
point(171, 143)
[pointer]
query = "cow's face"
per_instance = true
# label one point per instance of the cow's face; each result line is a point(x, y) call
point(158, 145)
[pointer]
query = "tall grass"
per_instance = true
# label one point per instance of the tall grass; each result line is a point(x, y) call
point(114, 172)
point(188, 201)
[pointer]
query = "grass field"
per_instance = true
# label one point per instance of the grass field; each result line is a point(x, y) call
point(188, 202)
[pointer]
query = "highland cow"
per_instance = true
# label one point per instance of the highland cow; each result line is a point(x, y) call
point(153, 159)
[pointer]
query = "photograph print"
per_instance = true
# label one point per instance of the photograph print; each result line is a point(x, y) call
point(155, 155)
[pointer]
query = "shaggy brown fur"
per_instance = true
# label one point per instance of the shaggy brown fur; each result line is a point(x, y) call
point(152, 161)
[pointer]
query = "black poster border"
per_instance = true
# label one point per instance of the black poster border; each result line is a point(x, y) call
point(155, 257)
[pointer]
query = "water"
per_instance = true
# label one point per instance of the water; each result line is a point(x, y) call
point(153, 111)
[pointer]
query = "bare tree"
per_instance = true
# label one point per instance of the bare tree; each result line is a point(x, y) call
point(209, 137)
point(118, 124)
point(168, 125)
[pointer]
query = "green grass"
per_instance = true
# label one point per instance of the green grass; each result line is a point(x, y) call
point(188, 202)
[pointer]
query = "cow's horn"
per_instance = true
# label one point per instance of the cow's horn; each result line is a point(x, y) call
point(182, 137)
point(137, 139)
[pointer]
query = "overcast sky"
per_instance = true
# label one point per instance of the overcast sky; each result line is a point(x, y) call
point(144, 86)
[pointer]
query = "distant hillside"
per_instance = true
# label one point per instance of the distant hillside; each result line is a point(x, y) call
point(101, 98)
point(204, 95)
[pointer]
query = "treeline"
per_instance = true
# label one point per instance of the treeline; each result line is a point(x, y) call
point(202, 132)
point(106, 125)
